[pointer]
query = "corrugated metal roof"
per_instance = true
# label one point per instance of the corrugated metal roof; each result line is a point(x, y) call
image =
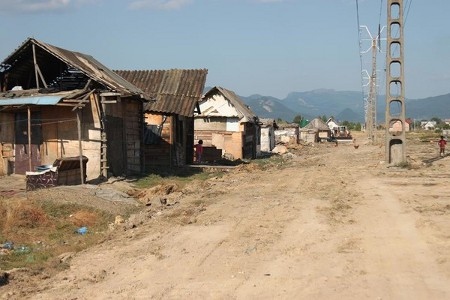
point(37, 100)
point(176, 91)
point(34, 97)
point(84, 63)
point(235, 100)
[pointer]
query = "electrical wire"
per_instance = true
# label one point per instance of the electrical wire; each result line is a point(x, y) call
point(408, 4)
point(46, 122)
point(379, 26)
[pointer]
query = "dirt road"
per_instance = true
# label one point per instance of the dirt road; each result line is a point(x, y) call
point(333, 223)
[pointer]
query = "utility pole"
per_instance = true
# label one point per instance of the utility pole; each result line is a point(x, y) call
point(371, 99)
point(372, 105)
point(395, 88)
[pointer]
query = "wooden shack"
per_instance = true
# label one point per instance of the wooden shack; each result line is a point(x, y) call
point(227, 124)
point(56, 103)
point(169, 122)
point(321, 130)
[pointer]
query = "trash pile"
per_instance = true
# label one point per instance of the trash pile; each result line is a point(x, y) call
point(8, 248)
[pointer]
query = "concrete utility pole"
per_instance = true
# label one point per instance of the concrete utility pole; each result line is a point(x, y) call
point(395, 88)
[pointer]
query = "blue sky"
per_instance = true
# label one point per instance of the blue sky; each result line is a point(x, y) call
point(269, 47)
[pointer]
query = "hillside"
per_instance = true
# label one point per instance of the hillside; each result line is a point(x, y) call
point(269, 107)
point(344, 105)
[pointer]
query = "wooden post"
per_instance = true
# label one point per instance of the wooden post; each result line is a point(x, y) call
point(80, 147)
point(35, 67)
point(29, 139)
point(104, 138)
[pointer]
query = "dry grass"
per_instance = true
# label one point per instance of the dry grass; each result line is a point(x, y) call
point(26, 215)
point(84, 218)
point(40, 230)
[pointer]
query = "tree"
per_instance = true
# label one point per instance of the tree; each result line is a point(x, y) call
point(297, 119)
point(437, 120)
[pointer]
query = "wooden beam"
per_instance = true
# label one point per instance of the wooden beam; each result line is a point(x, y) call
point(88, 83)
point(75, 100)
point(29, 138)
point(104, 154)
point(109, 94)
point(40, 75)
point(69, 104)
point(35, 67)
point(80, 147)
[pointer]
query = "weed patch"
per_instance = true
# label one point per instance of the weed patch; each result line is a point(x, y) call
point(36, 232)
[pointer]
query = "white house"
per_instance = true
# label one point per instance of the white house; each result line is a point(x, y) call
point(225, 123)
point(331, 123)
point(428, 125)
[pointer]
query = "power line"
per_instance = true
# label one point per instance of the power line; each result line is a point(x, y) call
point(379, 26)
point(408, 3)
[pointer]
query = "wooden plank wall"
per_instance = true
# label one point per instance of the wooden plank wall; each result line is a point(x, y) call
point(59, 127)
point(229, 142)
point(60, 138)
point(115, 135)
point(159, 155)
point(249, 147)
point(133, 136)
point(6, 143)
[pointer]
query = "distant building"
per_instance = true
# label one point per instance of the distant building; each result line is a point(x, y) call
point(227, 126)
point(321, 130)
point(331, 123)
point(268, 127)
point(397, 126)
point(428, 125)
point(287, 134)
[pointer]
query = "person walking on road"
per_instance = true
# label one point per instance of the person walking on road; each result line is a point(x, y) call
point(442, 143)
point(198, 151)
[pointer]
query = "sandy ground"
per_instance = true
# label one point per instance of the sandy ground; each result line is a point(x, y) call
point(332, 223)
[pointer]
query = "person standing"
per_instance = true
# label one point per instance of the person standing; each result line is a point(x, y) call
point(442, 143)
point(199, 151)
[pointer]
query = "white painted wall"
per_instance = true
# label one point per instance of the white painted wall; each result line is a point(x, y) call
point(218, 106)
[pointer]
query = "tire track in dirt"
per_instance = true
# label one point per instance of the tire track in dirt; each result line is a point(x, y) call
point(397, 261)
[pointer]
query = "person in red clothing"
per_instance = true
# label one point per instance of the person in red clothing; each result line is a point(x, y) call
point(198, 151)
point(442, 144)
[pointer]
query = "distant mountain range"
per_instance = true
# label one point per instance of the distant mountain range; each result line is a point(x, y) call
point(343, 105)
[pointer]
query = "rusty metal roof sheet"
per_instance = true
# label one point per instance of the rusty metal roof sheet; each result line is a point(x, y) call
point(235, 100)
point(84, 63)
point(176, 91)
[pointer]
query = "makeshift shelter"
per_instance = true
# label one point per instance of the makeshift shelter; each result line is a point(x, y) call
point(268, 127)
point(322, 131)
point(331, 123)
point(169, 130)
point(287, 134)
point(56, 103)
point(226, 124)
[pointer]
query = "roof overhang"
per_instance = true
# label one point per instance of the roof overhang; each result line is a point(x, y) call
point(33, 100)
